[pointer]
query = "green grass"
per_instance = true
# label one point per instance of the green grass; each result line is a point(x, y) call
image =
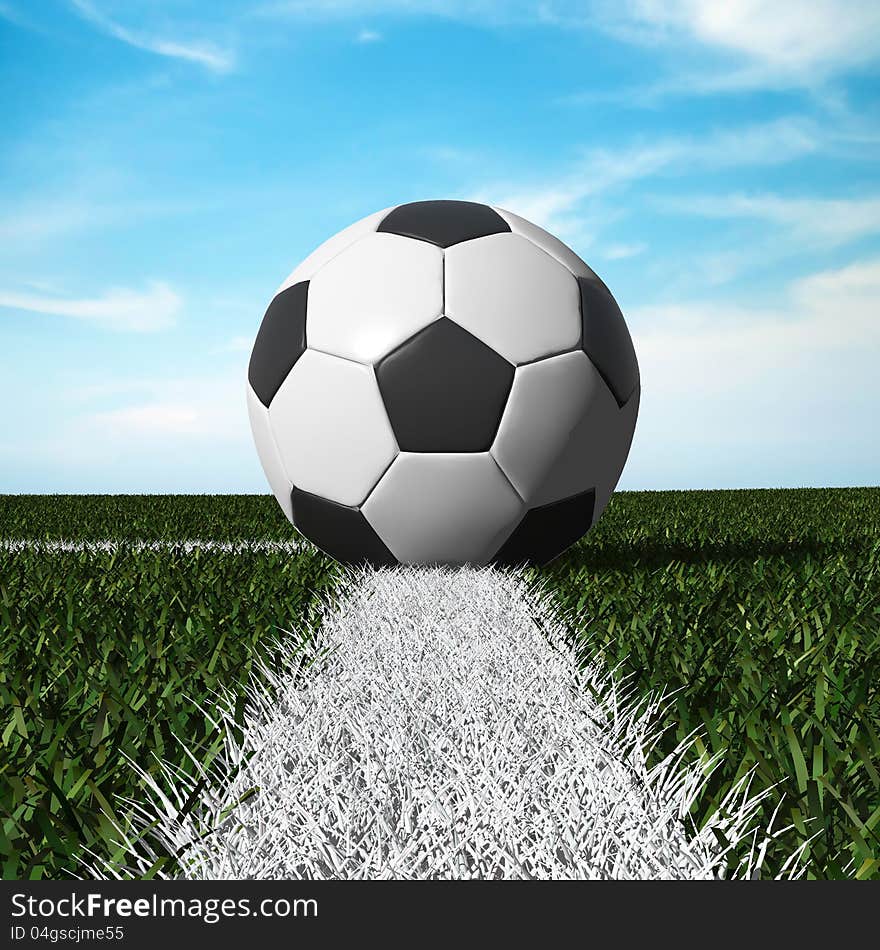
point(108, 656)
point(142, 517)
point(761, 607)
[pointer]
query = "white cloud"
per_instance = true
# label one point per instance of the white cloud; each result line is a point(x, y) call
point(44, 219)
point(740, 395)
point(40, 219)
point(822, 222)
point(841, 305)
point(128, 433)
point(484, 11)
point(765, 39)
point(117, 309)
point(201, 52)
point(781, 35)
point(767, 42)
point(209, 406)
point(618, 252)
point(368, 36)
point(107, 389)
point(153, 419)
point(551, 206)
point(237, 344)
point(89, 196)
point(559, 204)
point(13, 15)
point(713, 47)
point(453, 155)
point(714, 348)
point(166, 411)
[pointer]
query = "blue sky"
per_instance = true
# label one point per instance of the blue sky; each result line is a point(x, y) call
point(164, 165)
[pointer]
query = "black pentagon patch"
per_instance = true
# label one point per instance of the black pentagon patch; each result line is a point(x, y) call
point(280, 342)
point(444, 390)
point(606, 340)
point(545, 532)
point(443, 223)
point(340, 531)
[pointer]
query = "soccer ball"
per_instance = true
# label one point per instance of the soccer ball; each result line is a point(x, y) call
point(443, 383)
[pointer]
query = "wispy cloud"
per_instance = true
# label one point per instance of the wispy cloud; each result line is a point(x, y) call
point(46, 218)
point(557, 204)
point(160, 419)
point(101, 200)
point(117, 309)
point(479, 11)
point(452, 155)
point(768, 42)
point(14, 15)
point(618, 252)
point(709, 347)
point(776, 33)
point(237, 344)
point(201, 52)
point(752, 395)
point(368, 36)
point(841, 305)
point(821, 222)
point(209, 407)
point(177, 432)
point(735, 45)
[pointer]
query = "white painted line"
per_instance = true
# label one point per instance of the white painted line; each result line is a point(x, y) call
point(445, 728)
point(186, 546)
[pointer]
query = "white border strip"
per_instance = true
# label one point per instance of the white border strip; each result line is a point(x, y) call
point(442, 726)
point(110, 546)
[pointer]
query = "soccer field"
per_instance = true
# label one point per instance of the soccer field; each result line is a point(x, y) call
point(760, 610)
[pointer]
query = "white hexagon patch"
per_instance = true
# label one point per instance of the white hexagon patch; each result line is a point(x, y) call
point(547, 242)
point(443, 508)
point(595, 453)
point(331, 428)
point(547, 401)
point(374, 295)
point(513, 296)
point(331, 247)
point(267, 452)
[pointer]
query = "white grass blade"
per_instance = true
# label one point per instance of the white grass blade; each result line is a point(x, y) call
point(447, 732)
